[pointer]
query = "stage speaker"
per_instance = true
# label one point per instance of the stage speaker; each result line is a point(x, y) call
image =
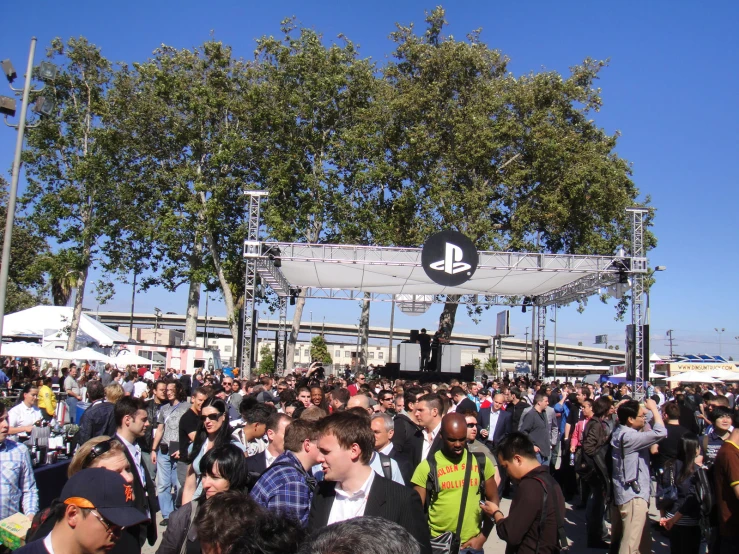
point(390, 371)
point(468, 373)
point(414, 335)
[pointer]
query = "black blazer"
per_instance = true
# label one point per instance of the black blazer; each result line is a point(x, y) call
point(466, 405)
point(257, 463)
point(418, 439)
point(141, 493)
point(404, 465)
point(502, 428)
point(386, 499)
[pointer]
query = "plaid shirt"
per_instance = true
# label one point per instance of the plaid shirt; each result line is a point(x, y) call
point(17, 482)
point(286, 488)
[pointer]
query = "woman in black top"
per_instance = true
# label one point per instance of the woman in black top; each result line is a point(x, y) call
point(682, 519)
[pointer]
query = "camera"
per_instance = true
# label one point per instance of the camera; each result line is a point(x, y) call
point(633, 485)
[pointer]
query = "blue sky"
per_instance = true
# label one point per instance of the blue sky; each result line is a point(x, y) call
point(671, 91)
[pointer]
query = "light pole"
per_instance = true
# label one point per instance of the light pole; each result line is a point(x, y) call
point(7, 107)
point(526, 354)
point(720, 332)
point(555, 340)
point(157, 315)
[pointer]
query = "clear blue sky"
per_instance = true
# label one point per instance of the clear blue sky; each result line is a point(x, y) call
point(671, 89)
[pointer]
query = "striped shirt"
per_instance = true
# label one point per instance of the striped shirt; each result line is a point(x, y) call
point(17, 482)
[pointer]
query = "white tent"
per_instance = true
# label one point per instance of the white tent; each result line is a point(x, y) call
point(655, 358)
point(125, 357)
point(49, 323)
point(91, 355)
point(693, 377)
point(23, 350)
point(623, 376)
point(724, 374)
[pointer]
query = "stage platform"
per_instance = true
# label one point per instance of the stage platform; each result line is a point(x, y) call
point(464, 374)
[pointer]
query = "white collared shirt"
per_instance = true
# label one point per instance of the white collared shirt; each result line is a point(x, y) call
point(386, 449)
point(269, 458)
point(47, 543)
point(493, 422)
point(428, 439)
point(348, 506)
point(21, 415)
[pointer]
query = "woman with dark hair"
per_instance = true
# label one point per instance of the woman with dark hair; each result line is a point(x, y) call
point(214, 431)
point(682, 518)
point(25, 414)
point(595, 437)
point(223, 469)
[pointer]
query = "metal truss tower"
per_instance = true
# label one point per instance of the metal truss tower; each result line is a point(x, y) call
point(281, 336)
point(252, 251)
point(541, 335)
point(637, 272)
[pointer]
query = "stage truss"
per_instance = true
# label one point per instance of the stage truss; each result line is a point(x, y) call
point(347, 272)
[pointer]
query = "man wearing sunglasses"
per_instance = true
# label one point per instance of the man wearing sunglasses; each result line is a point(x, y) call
point(96, 506)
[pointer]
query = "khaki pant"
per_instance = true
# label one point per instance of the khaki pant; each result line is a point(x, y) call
point(630, 526)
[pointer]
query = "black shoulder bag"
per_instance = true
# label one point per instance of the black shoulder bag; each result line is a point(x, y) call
point(449, 543)
point(563, 545)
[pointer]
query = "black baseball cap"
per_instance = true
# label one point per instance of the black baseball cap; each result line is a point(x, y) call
point(106, 492)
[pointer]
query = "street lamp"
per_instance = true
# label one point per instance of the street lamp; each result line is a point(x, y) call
point(157, 315)
point(7, 108)
point(720, 332)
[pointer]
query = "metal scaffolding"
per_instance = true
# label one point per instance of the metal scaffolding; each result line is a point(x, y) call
point(252, 252)
point(637, 270)
point(541, 335)
point(281, 336)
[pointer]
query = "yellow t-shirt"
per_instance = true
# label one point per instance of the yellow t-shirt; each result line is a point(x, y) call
point(444, 511)
point(47, 400)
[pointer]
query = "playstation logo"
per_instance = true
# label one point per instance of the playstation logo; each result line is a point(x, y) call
point(449, 258)
point(451, 263)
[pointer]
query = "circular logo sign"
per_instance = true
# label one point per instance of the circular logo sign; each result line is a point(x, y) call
point(449, 258)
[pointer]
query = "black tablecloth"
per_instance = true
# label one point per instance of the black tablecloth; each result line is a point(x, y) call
point(50, 480)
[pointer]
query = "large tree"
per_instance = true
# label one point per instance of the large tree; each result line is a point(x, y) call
point(316, 130)
point(76, 194)
point(514, 163)
point(186, 114)
point(27, 282)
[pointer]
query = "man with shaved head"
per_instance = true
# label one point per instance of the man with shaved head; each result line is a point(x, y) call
point(359, 401)
point(454, 481)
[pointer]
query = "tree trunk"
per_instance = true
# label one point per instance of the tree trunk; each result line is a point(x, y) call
point(446, 319)
point(364, 330)
point(294, 331)
point(77, 310)
point(228, 297)
point(193, 295)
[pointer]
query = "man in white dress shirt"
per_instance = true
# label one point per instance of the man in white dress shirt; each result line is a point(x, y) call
point(428, 413)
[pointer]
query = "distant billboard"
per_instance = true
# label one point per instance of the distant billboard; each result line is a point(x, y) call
point(601, 339)
point(503, 323)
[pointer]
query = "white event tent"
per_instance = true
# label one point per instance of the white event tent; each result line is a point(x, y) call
point(49, 323)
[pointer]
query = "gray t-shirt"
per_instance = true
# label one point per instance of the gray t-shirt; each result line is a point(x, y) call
point(70, 383)
point(170, 416)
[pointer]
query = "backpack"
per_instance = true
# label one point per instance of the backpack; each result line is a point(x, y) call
point(704, 492)
point(563, 544)
point(387, 468)
point(432, 481)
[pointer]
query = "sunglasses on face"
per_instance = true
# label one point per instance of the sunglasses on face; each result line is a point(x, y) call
point(471, 425)
point(212, 417)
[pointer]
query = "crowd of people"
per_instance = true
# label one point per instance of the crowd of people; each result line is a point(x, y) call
point(323, 464)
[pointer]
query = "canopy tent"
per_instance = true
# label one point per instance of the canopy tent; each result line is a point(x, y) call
point(91, 355)
point(25, 350)
point(693, 377)
point(50, 322)
point(724, 374)
point(126, 357)
point(336, 271)
point(655, 358)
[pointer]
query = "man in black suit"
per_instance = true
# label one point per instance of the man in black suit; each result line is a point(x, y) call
point(258, 463)
point(132, 422)
point(429, 411)
point(345, 445)
point(494, 425)
point(462, 404)
point(383, 428)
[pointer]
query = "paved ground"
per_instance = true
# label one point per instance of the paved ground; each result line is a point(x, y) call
point(574, 522)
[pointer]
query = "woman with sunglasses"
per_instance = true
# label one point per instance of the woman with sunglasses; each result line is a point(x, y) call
point(214, 431)
point(223, 468)
point(101, 452)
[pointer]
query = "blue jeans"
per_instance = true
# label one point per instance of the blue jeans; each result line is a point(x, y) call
point(72, 407)
point(166, 483)
point(542, 460)
point(470, 551)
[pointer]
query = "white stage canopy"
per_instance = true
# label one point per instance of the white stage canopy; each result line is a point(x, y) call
point(49, 322)
point(338, 271)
